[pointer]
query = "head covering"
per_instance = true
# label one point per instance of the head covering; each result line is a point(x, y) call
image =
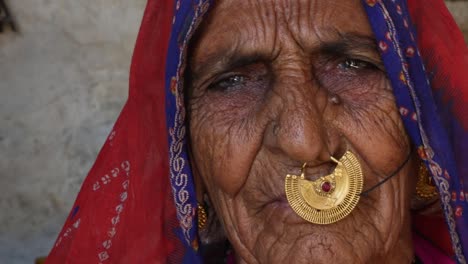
point(138, 203)
point(425, 57)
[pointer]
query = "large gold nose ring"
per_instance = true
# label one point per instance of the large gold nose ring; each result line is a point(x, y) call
point(330, 198)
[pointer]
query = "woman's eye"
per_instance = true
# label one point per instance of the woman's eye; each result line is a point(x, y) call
point(228, 82)
point(355, 64)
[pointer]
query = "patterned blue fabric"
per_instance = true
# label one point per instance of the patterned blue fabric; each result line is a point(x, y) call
point(396, 35)
point(187, 15)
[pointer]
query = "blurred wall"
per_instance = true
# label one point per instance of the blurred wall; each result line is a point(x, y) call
point(63, 81)
point(459, 10)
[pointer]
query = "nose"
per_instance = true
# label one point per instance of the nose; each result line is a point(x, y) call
point(300, 129)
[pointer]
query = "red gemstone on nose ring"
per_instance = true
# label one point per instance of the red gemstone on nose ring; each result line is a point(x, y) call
point(326, 186)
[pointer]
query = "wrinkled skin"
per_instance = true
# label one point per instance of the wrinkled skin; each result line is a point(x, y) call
point(275, 84)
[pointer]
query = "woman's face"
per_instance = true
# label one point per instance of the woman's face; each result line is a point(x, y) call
point(275, 84)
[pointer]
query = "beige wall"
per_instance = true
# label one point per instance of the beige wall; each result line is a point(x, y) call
point(459, 10)
point(63, 81)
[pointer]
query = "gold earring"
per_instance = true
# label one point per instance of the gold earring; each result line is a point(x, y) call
point(425, 188)
point(202, 217)
point(329, 198)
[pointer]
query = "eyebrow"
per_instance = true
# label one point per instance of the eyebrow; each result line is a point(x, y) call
point(225, 60)
point(349, 42)
point(345, 44)
point(354, 46)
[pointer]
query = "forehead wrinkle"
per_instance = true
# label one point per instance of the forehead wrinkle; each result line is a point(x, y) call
point(251, 35)
point(301, 19)
point(268, 18)
point(315, 26)
point(243, 37)
point(291, 17)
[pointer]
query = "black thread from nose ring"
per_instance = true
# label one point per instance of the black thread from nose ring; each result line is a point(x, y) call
point(366, 192)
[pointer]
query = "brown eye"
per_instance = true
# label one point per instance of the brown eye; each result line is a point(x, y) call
point(228, 82)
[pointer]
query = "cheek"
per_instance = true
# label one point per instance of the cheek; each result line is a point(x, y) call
point(372, 124)
point(225, 139)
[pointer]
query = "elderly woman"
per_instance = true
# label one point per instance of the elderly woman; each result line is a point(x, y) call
point(284, 131)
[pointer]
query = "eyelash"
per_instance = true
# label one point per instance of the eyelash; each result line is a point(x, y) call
point(235, 80)
point(355, 64)
point(228, 82)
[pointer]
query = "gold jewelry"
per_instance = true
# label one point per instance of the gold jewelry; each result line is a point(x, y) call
point(202, 217)
point(329, 198)
point(425, 188)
